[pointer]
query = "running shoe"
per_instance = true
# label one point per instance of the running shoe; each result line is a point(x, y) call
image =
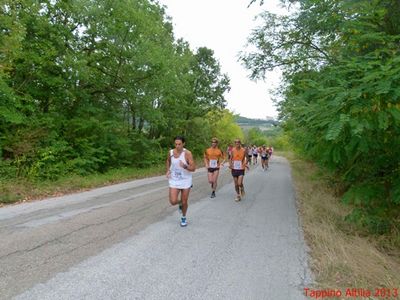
point(212, 194)
point(180, 207)
point(237, 199)
point(183, 222)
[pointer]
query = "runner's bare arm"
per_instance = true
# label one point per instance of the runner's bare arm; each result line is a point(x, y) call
point(190, 166)
point(222, 158)
point(206, 162)
point(246, 162)
point(168, 164)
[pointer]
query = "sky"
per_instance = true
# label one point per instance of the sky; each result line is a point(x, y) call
point(224, 26)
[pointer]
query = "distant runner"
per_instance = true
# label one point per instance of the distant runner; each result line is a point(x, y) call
point(255, 154)
point(180, 165)
point(238, 163)
point(249, 152)
point(229, 151)
point(270, 150)
point(264, 157)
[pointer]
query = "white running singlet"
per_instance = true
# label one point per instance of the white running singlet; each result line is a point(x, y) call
point(180, 178)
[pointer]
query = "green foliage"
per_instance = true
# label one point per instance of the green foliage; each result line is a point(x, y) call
point(8, 169)
point(224, 127)
point(280, 142)
point(49, 162)
point(88, 86)
point(255, 137)
point(341, 101)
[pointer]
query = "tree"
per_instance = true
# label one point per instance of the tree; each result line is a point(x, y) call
point(340, 99)
point(87, 85)
point(224, 127)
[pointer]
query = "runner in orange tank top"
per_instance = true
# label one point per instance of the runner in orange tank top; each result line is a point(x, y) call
point(213, 159)
point(238, 163)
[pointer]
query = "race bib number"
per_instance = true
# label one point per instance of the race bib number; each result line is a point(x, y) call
point(177, 174)
point(213, 163)
point(237, 164)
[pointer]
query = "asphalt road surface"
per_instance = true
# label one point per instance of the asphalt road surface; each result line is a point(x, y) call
point(124, 242)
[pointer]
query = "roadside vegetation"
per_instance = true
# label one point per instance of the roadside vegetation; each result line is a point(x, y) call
point(342, 254)
point(23, 189)
point(339, 102)
point(90, 87)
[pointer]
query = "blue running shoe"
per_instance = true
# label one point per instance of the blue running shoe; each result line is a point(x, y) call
point(183, 222)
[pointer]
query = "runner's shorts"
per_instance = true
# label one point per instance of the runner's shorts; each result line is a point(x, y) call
point(237, 173)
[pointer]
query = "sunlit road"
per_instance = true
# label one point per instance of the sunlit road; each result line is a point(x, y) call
point(125, 242)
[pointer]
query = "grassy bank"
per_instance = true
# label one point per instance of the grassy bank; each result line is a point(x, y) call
point(342, 256)
point(22, 190)
point(14, 191)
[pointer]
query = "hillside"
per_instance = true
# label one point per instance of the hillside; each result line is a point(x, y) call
point(262, 124)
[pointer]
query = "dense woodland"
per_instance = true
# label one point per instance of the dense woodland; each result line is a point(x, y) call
point(340, 100)
point(87, 86)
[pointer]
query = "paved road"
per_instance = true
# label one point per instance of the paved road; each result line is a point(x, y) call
point(124, 242)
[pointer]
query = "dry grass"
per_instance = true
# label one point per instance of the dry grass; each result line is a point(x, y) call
point(341, 256)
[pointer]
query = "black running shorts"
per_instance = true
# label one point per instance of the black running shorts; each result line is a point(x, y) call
point(237, 173)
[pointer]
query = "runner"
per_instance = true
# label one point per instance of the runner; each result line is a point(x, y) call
point(269, 150)
point(264, 157)
point(238, 163)
point(229, 151)
point(213, 160)
point(180, 165)
point(249, 152)
point(255, 154)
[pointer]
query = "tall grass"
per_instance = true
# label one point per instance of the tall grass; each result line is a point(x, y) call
point(342, 256)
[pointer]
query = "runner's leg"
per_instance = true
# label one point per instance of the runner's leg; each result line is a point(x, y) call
point(240, 185)
point(173, 196)
point(215, 179)
point(211, 179)
point(235, 180)
point(185, 197)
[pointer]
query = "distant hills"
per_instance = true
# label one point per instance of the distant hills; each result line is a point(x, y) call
point(247, 122)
